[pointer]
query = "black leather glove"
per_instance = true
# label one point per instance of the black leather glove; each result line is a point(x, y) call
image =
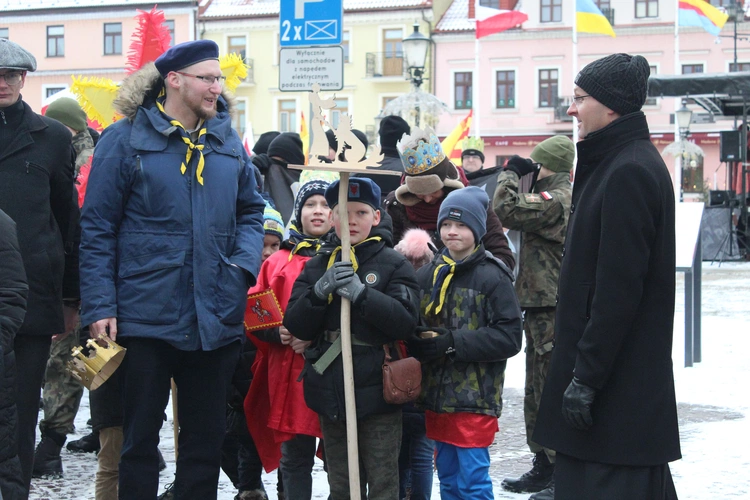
point(576, 405)
point(521, 166)
point(353, 290)
point(337, 275)
point(431, 348)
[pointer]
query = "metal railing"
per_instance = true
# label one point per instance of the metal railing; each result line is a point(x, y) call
point(382, 64)
point(610, 15)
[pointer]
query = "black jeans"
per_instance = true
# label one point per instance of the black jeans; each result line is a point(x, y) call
point(32, 352)
point(202, 379)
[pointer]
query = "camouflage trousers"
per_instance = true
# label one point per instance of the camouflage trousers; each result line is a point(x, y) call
point(539, 329)
point(379, 442)
point(62, 394)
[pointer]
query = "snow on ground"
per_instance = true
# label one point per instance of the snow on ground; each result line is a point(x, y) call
point(713, 406)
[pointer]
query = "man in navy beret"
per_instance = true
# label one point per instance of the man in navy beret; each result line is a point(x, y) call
point(172, 236)
point(38, 193)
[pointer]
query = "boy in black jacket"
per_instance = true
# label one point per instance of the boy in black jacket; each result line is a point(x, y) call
point(382, 287)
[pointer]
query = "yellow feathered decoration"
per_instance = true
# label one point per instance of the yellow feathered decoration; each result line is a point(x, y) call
point(234, 69)
point(96, 97)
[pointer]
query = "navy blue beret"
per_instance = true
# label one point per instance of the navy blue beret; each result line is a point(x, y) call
point(361, 189)
point(186, 54)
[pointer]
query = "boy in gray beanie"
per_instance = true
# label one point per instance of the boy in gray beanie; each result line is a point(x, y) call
point(472, 326)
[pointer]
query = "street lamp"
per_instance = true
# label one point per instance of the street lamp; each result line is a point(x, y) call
point(683, 117)
point(415, 51)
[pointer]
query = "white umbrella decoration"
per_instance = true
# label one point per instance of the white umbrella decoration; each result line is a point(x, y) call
point(689, 152)
point(417, 107)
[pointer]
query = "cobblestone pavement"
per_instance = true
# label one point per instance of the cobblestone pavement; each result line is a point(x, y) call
point(712, 406)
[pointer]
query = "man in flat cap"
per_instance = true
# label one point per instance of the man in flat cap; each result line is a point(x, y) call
point(608, 406)
point(172, 236)
point(37, 191)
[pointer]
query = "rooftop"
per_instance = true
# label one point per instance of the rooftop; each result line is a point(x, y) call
point(261, 8)
point(456, 18)
point(24, 5)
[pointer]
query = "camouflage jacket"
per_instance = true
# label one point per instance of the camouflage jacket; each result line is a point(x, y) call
point(542, 216)
point(83, 145)
point(482, 313)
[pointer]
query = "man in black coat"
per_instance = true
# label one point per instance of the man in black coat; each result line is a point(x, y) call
point(37, 191)
point(13, 292)
point(608, 406)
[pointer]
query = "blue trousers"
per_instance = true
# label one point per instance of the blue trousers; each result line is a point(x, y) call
point(202, 379)
point(464, 473)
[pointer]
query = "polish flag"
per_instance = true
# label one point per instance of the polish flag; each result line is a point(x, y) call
point(491, 21)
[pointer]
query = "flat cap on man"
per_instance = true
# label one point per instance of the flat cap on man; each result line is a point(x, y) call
point(186, 54)
point(13, 56)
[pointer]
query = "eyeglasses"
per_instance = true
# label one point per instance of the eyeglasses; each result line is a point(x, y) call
point(12, 78)
point(579, 99)
point(208, 79)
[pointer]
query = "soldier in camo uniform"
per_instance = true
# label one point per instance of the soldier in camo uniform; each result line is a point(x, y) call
point(62, 394)
point(542, 218)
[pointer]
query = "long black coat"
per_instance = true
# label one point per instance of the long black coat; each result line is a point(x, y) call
point(13, 291)
point(37, 191)
point(616, 304)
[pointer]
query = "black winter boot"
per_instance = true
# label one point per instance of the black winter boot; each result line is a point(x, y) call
point(547, 493)
point(87, 444)
point(47, 461)
point(534, 480)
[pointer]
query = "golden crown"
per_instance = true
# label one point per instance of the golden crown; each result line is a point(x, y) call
point(475, 143)
point(420, 151)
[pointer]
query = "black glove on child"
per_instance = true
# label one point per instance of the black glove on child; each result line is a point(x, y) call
point(431, 348)
point(576, 406)
point(521, 166)
point(336, 276)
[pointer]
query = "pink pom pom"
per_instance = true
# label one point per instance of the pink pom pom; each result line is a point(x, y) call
point(416, 247)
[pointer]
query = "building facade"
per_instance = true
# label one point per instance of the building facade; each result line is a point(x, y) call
point(525, 75)
point(374, 66)
point(90, 39)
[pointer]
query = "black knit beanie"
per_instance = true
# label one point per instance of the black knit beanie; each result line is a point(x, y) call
point(264, 141)
point(619, 81)
point(288, 147)
point(392, 128)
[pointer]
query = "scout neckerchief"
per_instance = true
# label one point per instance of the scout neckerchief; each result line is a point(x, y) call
point(300, 241)
point(441, 280)
point(352, 257)
point(185, 135)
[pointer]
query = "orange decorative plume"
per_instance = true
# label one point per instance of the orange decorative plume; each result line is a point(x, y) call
point(150, 39)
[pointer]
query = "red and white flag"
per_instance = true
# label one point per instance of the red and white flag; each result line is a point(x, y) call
point(491, 21)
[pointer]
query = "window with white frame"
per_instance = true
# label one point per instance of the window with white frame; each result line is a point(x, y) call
point(342, 106)
point(505, 84)
point(548, 87)
point(287, 115)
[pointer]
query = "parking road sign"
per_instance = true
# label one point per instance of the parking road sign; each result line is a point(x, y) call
point(310, 22)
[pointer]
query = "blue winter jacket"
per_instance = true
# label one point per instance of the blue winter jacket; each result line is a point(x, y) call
point(169, 257)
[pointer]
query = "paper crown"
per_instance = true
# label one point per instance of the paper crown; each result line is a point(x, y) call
point(420, 151)
point(474, 143)
point(92, 369)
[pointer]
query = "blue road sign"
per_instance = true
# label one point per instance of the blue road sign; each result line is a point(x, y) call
point(310, 22)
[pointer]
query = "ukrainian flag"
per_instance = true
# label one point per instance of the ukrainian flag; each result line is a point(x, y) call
point(589, 19)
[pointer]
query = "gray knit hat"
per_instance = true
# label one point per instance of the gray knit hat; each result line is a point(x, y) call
point(469, 206)
point(13, 56)
point(619, 81)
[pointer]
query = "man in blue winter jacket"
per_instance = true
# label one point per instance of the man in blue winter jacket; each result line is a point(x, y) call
point(172, 239)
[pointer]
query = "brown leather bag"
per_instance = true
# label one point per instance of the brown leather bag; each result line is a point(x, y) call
point(402, 379)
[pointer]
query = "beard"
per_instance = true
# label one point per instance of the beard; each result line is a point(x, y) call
point(194, 102)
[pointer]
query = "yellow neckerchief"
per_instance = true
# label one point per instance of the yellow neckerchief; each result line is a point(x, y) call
point(191, 146)
point(352, 257)
point(441, 279)
point(300, 240)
